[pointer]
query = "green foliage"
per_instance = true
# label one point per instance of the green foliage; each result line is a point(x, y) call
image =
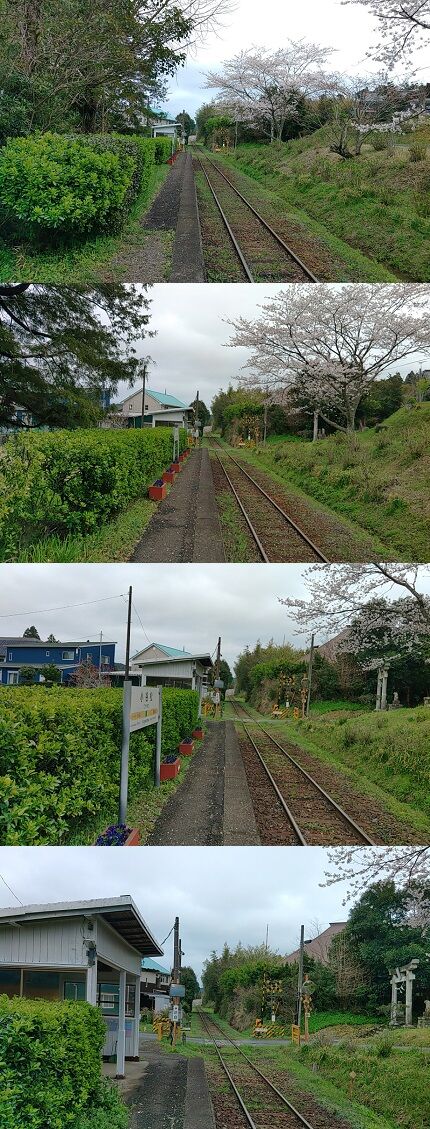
point(60, 758)
point(191, 985)
point(381, 934)
point(71, 481)
point(50, 1070)
point(53, 185)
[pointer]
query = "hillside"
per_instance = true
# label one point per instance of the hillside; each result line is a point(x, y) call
point(379, 478)
point(378, 203)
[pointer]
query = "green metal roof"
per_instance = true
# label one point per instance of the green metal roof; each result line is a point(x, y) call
point(172, 651)
point(151, 965)
point(165, 399)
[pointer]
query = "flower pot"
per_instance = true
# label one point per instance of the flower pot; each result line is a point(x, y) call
point(177, 465)
point(168, 476)
point(182, 457)
point(198, 733)
point(186, 748)
point(133, 838)
point(157, 493)
point(169, 771)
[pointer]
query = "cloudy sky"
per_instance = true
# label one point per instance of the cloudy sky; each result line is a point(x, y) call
point(191, 352)
point(238, 602)
point(349, 29)
point(219, 893)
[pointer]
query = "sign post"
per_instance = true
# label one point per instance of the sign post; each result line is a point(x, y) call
point(141, 706)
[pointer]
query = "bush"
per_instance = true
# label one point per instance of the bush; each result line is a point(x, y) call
point(72, 481)
point(50, 1067)
point(53, 184)
point(60, 758)
point(417, 152)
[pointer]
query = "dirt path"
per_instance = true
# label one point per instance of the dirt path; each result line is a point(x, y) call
point(186, 525)
point(213, 806)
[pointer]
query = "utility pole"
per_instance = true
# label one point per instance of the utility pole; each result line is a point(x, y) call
point(176, 952)
point(100, 657)
point(196, 419)
point(142, 418)
point(126, 706)
point(300, 976)
point(310, 670)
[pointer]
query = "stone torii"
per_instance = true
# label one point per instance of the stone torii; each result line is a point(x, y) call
point(403, 976)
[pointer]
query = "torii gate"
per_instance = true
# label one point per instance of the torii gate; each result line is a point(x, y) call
point(400, 976)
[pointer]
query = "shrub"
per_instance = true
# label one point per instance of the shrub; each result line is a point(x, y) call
point(417, 152)
point(71, 481)
point(54, 184)
point(50, 1067)
point(60, 758)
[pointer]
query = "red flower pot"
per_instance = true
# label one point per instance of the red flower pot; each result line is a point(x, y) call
point(133, 838)
point(186, 748)
point(168, 476)
point(157, 493)
point(182, 457)
point(198, 733)
point(169, 771)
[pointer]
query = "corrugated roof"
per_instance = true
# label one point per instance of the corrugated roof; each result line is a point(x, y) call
point(152, 966)
point(172, 651)
point(121, 913)
point(165, 398)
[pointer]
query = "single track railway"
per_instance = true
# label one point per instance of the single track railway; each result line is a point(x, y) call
point(262, 253)
point(313, 816)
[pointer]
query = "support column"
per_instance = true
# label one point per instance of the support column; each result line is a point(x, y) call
point(91, 987)
point(378, 689)
point(384, 689)
point(409, 978)
point(136, 1019)
point(393, 1019)
point(120, 1046)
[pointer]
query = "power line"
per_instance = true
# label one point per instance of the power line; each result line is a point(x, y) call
point(63, 607)
point(11, 891)
point(140, 621)
point(168, 935)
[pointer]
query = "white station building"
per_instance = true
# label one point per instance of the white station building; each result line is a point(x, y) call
point(90, 951)
point(160, 665)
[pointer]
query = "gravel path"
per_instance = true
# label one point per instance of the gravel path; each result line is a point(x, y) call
point(193, 816)
point(186, 525)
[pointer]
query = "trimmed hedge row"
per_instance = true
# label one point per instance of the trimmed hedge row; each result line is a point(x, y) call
point(72, 481)
point(50, 1067)
point(55, 185)
point(60, 758)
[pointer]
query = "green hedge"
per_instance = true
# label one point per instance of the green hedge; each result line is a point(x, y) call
point(53, 185)
point(72, 481)
point(50, 1067)
point(60, 758)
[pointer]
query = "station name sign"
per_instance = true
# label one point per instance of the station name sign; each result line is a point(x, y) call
point(144, 707)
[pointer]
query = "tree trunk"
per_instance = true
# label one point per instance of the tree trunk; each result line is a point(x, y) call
point(316, 423)
point(29, 23)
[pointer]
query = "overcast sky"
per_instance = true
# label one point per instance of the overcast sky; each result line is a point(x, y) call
point(190, 351)
point(349, 29)
point(219, 893)
point(183, 605)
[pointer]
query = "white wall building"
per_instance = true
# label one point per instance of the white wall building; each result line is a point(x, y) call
point(89, 951)
point(161, 409)
point(167, 666)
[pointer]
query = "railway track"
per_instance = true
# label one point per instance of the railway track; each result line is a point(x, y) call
point(260, 1102)
point(277, 534)
point(263, 253)
point(311, 816)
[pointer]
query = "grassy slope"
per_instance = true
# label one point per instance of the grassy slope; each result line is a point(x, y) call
point(378, 479)
point(378, 202)
point(80, 263)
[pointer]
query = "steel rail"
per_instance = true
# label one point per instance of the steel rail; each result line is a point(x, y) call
point(275, 505)
point(309, 274)
point(239, 252)
point(256, 1069)
point(340, 811)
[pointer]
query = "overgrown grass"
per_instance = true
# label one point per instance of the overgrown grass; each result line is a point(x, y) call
point(114, 541)
point(377, 478)
point(86, 261)
point(378, 203)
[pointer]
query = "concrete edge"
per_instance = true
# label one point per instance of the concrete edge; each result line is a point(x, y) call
point(187, 257)
point(198, 1113)
point(240, 828)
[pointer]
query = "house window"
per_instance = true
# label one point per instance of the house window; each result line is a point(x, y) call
point(3, 657)
point(12, 677)
point(130, 407)
point(47, 653)
point(105, 660)
point(10, 656)
point(10, 980)
point(74, 990)
point(68, 656)
point(109, 999)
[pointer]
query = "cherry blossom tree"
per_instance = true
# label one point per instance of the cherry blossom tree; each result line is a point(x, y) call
point(329, 343)
point(262, 87)
point(337, 593)
point(404, 25)
point(406, 866)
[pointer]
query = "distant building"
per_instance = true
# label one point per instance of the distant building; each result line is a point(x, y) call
point(18, 652)
point(167, 666)
point(164, 127)
point(155, 984)
point(161, 409)
point(318, 947)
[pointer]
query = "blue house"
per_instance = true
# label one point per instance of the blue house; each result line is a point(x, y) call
point(18, 652)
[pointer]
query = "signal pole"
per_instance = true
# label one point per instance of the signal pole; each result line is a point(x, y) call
point(126, 705)
point(310, 669)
